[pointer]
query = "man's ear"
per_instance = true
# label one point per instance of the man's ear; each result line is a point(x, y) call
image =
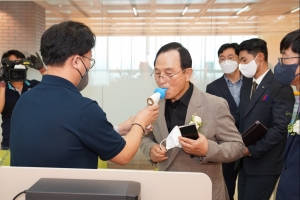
point(75, 61)
point(188, 73)
point(261, 57)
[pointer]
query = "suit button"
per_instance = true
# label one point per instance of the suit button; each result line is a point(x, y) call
point(284, 167)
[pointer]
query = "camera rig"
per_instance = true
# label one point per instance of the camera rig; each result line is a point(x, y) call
point(14, 70)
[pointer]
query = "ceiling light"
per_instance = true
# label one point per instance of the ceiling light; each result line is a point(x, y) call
point(242, 10)
point(134, 11)
point(250, 18)
point(184, 11)
point(60, 5)
point(295, 10)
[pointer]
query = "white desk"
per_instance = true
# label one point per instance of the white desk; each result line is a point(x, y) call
point(154, 185)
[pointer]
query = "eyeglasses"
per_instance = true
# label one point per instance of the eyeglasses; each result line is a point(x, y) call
point(92, 61)
point(165, 77)
point(222, 59)
point(280, 60)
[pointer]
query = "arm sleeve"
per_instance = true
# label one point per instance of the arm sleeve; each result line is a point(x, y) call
point(147, 142)
point(98, 134)
point(228, 145)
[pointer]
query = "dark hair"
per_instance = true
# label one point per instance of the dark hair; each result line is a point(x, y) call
point(254, 46)
point(185, 57)
point(292, 40)
point(14, 52)
point(63, 40)
point(227, 46)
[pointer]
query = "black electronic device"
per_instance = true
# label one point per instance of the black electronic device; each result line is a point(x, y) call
point(8, 72)
point(189, 131)
point(70, 189)
point(254, 133)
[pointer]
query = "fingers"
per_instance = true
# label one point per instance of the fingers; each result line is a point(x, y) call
point(157, 154)
point(38, 55)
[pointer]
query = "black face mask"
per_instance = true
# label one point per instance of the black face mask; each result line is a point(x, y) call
point(83, 82)
point(285, 74)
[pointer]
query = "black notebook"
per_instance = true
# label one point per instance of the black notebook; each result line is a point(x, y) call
point(254, 133)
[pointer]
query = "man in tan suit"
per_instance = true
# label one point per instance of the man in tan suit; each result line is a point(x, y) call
point(219, 140)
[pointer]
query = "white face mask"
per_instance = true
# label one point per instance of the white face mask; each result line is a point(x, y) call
point(172, 139)
point(249, 69)
point(229, 66)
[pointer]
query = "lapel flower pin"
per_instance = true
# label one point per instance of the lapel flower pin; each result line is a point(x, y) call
point(294, 128)
point(196, 120)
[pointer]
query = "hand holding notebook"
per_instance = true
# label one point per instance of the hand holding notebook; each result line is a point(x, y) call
point(254, 133)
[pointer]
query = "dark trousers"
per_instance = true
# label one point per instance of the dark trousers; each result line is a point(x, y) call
point(230, 176)
point(255, 187)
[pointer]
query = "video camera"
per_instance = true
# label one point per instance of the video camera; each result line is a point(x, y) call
point(14, 70)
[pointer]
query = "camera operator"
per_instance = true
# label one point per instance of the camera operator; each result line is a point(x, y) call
point(11, 90)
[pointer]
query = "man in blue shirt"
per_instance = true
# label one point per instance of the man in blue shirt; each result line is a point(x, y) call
point(228, 87)
point(53, 125)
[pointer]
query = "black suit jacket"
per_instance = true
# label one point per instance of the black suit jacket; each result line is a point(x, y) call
point(219, 88)
point(269, 105)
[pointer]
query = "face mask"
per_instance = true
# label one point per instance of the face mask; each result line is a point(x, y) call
point(249, 69)
point(83, 82)
point(228, 66)
point(285, 74)
point(172, 139)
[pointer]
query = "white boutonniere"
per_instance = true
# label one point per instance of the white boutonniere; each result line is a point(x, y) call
point(197, 121)
point(294, 128)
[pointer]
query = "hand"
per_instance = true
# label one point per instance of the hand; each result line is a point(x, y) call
point(36, 62)
point(197, 147)
point(157, 154)
point(246, 152)
point(147, 116)
point(125, 127)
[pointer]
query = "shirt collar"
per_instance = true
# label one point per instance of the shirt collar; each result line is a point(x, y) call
point(12, 87)
point(258, 81)
point(228, 81)
point(58, 81)
point(186, 97)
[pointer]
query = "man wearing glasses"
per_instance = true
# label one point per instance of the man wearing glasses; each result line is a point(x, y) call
point(265, 100)
point(228, 87)
point(219, 140)
point(287, 72)
point(53, 125)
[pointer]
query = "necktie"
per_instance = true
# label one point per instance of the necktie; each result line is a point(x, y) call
point(254, 85)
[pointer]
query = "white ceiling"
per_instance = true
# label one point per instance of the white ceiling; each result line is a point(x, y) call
point(164, 17)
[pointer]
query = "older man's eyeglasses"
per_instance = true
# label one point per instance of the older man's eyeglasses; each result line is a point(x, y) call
point(165, 77)
point(281, 60)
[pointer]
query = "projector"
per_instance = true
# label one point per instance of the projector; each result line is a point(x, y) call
point(83, 189)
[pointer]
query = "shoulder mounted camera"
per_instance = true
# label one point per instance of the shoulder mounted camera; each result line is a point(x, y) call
point(14, 70)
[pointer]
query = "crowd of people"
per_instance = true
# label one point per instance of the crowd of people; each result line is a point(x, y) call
point(72, 131)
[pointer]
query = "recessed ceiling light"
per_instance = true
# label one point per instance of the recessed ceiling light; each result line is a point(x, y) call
point(295, 10)
point(242, 10)
point(134, 11)
point(184, 11)
point(280, 17)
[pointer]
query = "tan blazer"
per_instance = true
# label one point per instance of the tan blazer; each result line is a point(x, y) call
point(224, 141)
